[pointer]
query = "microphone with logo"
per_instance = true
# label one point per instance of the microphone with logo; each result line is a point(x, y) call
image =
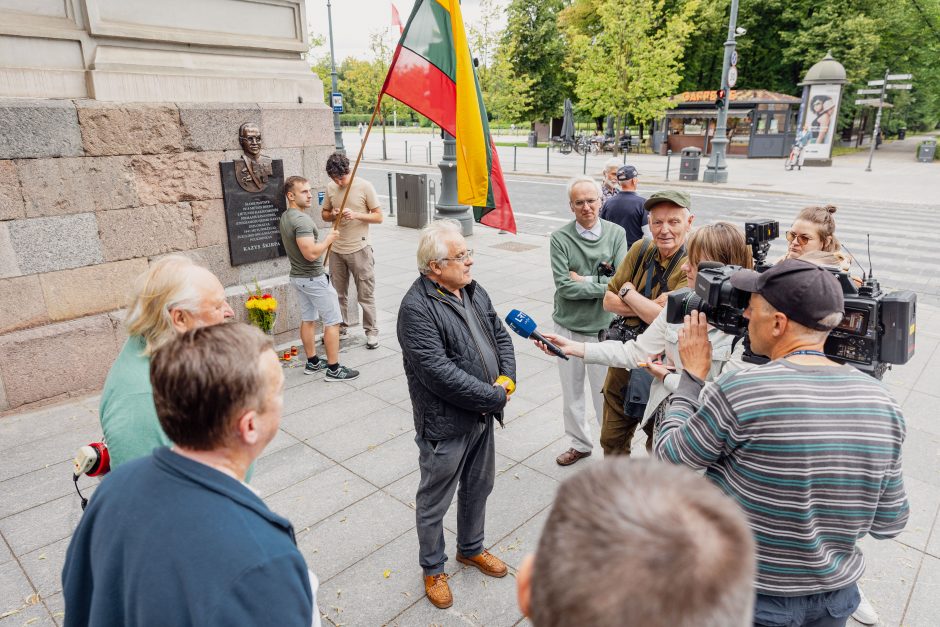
point(525, 326)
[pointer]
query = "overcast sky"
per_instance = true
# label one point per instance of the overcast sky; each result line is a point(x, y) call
point(354, 20)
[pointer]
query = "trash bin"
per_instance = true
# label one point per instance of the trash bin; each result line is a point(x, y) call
point(927, 150)
point(533, 141)
point(689, 164)
point(411, 191)
point(902, 133)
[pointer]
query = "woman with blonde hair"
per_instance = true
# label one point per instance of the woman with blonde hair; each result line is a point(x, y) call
point(173, 296)
point(721, 242)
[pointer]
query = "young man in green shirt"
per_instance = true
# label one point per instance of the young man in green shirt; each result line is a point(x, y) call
point(578, 250)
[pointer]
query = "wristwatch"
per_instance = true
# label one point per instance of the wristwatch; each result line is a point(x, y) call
point(624, 291)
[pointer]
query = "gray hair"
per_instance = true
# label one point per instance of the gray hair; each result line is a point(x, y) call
point(582, 179)
point(652, 522)
point(612, 163)
point(433, 243)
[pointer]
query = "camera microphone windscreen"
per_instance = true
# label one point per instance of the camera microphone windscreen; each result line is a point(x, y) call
point(525, 326)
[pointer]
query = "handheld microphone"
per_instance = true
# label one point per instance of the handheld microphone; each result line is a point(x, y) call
point(525, 326)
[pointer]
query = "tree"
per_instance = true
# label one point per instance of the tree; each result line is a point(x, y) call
point(535, 53)
point(631, 62)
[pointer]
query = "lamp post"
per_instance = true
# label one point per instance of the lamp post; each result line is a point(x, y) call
point(448, 206)
point(337, 131)
point(717, 169)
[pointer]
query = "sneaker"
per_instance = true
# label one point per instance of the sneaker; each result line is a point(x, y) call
point(865, 613)
point(372, 342)
point(437, 590)
point(313, 366)
point(341, 374)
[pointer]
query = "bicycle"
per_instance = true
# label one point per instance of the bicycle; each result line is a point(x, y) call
point(585, 145)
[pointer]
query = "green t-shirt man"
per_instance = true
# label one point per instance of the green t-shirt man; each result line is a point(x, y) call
point(295, 223)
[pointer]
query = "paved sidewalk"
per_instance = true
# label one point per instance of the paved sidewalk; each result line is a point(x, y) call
point(344, 470)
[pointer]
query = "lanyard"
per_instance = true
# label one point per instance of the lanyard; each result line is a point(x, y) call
point(805, 352)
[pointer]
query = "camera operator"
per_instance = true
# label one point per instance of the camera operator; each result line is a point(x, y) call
point(637, 293)
point(721, 242)
point(811, 449)
point(584, 254)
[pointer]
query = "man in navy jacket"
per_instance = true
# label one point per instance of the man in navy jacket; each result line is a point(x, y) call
point(178, 538)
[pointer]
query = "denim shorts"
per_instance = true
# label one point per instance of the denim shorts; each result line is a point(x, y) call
point(826, 609)
point(317, 299)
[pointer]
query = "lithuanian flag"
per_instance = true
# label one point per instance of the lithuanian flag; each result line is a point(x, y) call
point(432, 72)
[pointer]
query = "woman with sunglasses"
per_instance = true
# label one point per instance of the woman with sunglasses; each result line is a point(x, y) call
point(814, 230)
point(721, 242)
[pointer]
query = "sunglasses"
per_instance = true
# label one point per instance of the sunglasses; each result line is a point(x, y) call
point(803, 240)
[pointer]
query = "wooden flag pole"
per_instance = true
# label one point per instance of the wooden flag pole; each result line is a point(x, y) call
point(362, 147)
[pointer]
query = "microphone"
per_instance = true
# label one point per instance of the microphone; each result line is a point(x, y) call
point(525, 326)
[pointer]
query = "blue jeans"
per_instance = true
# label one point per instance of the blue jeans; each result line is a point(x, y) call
point(826, 609)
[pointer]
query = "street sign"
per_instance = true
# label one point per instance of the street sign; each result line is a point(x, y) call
point(868, 91)
point(337, 100)
point(899, 86)
point(734, 58)
point(870, 102)
point(875, 83)
point(732, 76)
point(899, 77)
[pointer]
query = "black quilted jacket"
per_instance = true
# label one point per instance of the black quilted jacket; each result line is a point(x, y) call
point(450, 389)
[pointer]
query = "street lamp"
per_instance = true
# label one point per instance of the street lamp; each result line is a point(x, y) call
point(337, 131)
point(717, 169)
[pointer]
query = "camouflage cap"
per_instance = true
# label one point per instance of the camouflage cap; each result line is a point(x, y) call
point(673, 196)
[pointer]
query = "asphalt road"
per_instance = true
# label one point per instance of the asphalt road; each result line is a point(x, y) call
point(904, 251)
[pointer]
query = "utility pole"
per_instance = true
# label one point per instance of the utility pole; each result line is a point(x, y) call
point(879, 102)
point(881, 107)
point(717, 169)
point(337, 131)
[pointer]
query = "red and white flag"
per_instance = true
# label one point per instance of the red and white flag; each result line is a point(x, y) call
point(396, 20)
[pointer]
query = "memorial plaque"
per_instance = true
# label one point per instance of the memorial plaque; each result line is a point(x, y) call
point(251, 191)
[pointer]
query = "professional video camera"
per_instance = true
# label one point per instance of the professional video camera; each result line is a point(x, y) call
point(758, 235)
point(877, 330)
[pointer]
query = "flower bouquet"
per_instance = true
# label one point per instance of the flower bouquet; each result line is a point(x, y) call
point(262, 309)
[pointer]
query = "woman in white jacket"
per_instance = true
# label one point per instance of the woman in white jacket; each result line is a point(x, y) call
point(722, 242)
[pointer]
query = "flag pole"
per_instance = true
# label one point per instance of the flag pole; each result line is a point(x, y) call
point(362, 147)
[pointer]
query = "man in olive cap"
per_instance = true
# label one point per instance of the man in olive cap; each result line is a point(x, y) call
point(637, 293)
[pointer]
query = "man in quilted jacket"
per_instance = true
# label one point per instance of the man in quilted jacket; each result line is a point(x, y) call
point(461, 369)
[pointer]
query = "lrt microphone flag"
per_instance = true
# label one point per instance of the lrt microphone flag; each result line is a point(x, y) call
point(432, 72)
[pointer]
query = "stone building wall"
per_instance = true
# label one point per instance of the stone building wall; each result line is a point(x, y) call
point(91, 192)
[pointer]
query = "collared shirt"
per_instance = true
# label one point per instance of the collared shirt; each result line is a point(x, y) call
point(593, 234)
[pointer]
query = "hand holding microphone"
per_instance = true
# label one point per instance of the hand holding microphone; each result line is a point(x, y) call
point(525, 326)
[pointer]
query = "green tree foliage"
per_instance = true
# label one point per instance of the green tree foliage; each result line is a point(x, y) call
point(507, 96)
point(627, 60)
point(534, 52)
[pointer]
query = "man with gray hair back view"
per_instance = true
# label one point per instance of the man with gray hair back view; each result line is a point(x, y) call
point(660, 547)
point(461, 369)
point(173, 296)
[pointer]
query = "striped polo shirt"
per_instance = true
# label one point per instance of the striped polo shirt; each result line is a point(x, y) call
point(811, 453)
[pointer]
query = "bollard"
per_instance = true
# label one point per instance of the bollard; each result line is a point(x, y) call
point(547, 150)
point(514, 151)
point(429, 153)
point(668, 157)
point(406, 151)
point(391, 199)
point(384, 151)
point(584, 171)
point(625, 157)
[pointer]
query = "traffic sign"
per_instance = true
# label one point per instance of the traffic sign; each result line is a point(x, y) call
point(868, 91)
point(732, 76)
point(337, 99)
point(734, 58)
point(899, 77)
point(899, 86)
point(875, 83)
point(871, 102)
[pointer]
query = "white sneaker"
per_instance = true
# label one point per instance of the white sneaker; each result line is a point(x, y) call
point(865, 613)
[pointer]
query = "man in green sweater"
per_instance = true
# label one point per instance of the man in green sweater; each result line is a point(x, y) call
point(578, 251)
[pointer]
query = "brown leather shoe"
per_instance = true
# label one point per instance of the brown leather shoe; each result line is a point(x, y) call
point(437, 590)
point(488, 563)
point(570, 456)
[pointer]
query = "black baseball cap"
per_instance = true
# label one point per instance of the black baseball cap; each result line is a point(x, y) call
point(801, 290)
point(626, 173)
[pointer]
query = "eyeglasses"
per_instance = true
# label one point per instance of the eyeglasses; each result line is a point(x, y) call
point(586, 201)
point(461, 258)
point(799, 237)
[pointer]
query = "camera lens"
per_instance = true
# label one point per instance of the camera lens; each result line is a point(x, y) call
point(681, 303)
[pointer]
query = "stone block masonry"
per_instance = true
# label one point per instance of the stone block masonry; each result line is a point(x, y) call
point(92, 192)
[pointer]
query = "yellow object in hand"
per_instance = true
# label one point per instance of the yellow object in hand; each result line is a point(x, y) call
point(507, 383)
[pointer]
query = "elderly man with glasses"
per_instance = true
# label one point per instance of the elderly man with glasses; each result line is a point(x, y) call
point(460, 367)
point(584, 254)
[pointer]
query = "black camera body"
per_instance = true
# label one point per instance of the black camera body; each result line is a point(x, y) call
point(605, 268)
point(877, 330)
point(758, 234)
